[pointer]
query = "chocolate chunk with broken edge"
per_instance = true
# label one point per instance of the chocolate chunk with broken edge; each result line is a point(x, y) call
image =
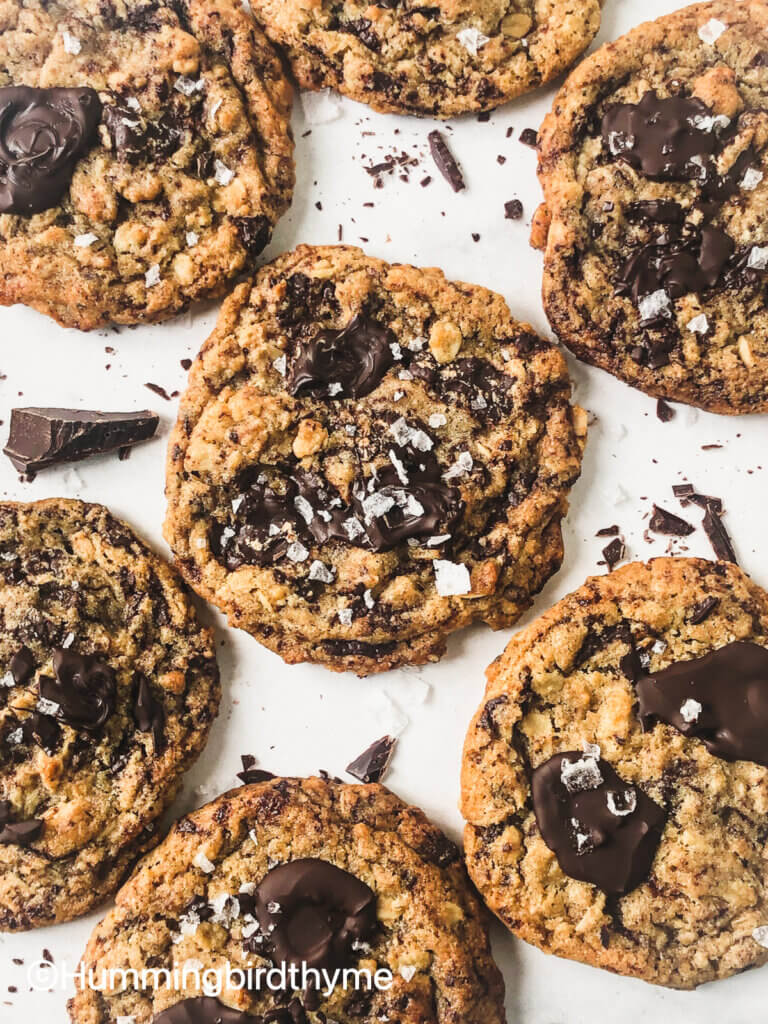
point(22, 666)
point(613, 553)
point(17, 833)
point(713, 526)
point(669, 524)
point(204, 1010)
point(445, 161)
point(249, 774)
point(617, 850)
point(731, 687)
point(41, 437)
point(149, 713)
point(372, 764)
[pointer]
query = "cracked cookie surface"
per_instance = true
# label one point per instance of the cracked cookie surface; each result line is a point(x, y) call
point(198, 896)
point(653, 164)
point(368, 457)
point(109, 687)
point(438, 59)
point(176, 185)
point(698, 902)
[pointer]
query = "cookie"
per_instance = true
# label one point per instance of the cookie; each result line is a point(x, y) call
point(653, 165)
point(368, 457)
point(292, 872)
point(439, 59)
point(108, 687)
point(615, 777)
point(145, 154)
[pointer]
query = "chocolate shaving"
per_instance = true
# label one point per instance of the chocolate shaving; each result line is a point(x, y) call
point(445, 161)
point(703, 610)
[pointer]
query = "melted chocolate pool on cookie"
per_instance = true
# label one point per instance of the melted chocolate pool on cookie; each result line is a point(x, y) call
point(43, 133)
point(83, 691)
point(601, 829)
point(207, 1010)
point(721, 699)
point(311, 912)
point(350, 363)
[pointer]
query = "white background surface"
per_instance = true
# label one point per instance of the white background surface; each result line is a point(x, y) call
point(296, 720)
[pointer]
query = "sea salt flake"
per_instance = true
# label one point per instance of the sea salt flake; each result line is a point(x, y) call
point(15, 737)
point(620, 142)
point(451, 578)
point(133, 104)
point(434, 542)
point(86, 240)
point(653, 305)
point(350, 429)
point(592, 750)
point(368, 599)
point(437, 420)
point(353, 527)
point(345, 616)
point(192, 238)
point(377, 505)
point(417, 344)
point(304, 509)
point(760, 935)
point(68, 640)
point(758, 257)
point(319, 571)
point(398, 395)
point(222, 175)
point(407, 973)
point(699, 324)
point(399, 467)
point(280, 365)
point(297, 552)
point(472, 39)
point(48, 707)
point(273, 907)
point(397, 352)
point(237, 502)
point(152, 276)
point(711, 31)
point(412, 507)
point(187, 86)
point(8, 680)
point(404, 435)
point(752, 178)
point(690, 710)
point(201, 861)
point(334, 388)
point(405, 375)
point(250, 928)
point(461, 467)
point(71, 43)
point(125, 1020)
point(628, 803)
point(579, 776)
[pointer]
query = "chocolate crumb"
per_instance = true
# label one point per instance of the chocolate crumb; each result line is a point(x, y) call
point(613, 553)
point(158, 390)
point(664, 411)
point(608, 531)
point(513, 210)
point(185, 363)
point(249, 774)
point(529, 137)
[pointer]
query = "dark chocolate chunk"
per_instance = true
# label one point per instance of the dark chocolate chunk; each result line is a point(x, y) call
point(668, 523)
point(135, 138)
point(17, 833)
point(608, 531)
point(22, 666)
point(43, 133)
point(613, 553)
point(84, 689)
point(445, 160)
point(601, 829)
point(372, 764)
point(664, 411)
point(713, 526)
point(46, 437)
point(249, 774)
point(343, 364)
point(207, 1010)
point(149, 713)
point(513, 210)
point(703, 610)
point(721, 699)
point(529, 137)
point(311, 912)
point(688, 495)
point(255, 233)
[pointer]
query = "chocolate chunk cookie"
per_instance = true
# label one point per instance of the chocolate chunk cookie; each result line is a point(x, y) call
point(654, 166)
point(108, 686)
point(437, 59)
point(615, 777)
point(145, 154)
point(368, 457)
point(293, 872)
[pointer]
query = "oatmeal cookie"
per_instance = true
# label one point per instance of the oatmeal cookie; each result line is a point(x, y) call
point(108, 687)
point(145, 154)
point(653, 165)
point(301, 871)
point(615, 777)
point(368, 457)
point(438, 59)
